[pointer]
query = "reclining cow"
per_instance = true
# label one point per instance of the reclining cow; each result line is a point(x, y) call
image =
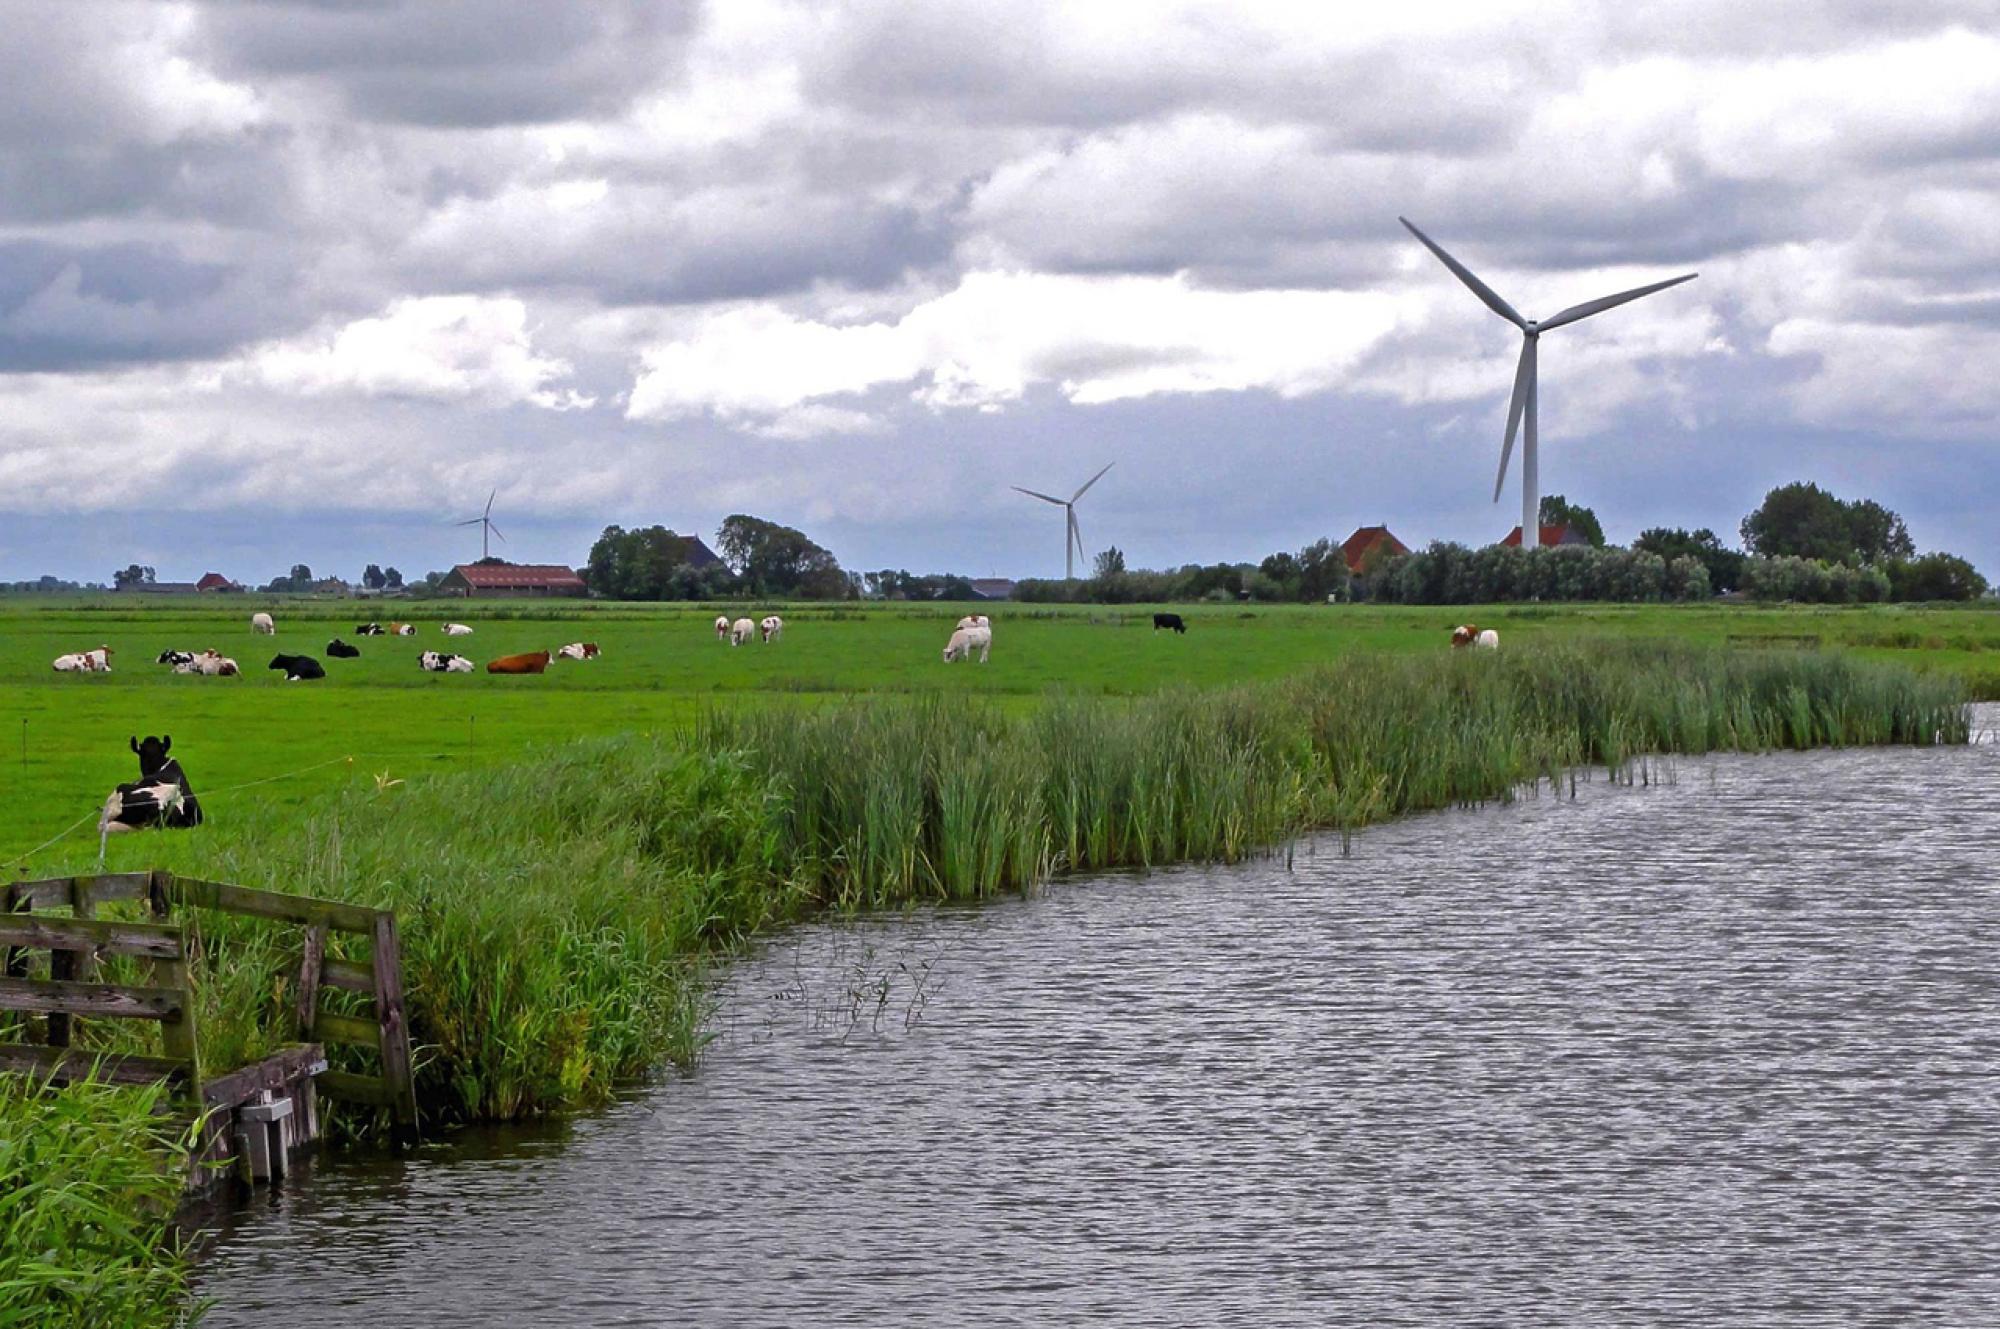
point(297, 667)
point(341, 650)
point(443, 662)
point(367, 629)
point(532, 662)
point(161, 796)
point(578, 650)
point(85, 662)
point(212, 664)
point(175, 658)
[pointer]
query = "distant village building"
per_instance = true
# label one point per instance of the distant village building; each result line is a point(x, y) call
point(699, 555)
point(1368, 546)
point(1551, 536)
point(215, 581)
point(520, 579)
point(332, 586)
point(993, 588)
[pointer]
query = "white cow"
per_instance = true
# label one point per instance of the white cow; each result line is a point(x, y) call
point(1465, 634)
point(1490, 639)
point(437, 662)
point(261, 621)
point(966, 640)
point(578, 650)
point(457, 630)
point(85, 662)
point(772, 628)
point(722, 627)
point(975, 621)
point(740, 630)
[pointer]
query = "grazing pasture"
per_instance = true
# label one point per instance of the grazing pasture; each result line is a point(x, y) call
point(63, 736)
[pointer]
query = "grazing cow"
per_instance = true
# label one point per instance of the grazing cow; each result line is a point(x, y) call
point(772, 628)
point(533, 662)
point(975, 621)
point(966, 640)
point(443, 662)
point(740, 630)
point(722, 627)
point(261, 622)
point(1173, 621)
point(367, 629)
point(340, 650)
point(297, 667)
point(578, 650)
point(175, 658)
point(1465, 634)
point(457, 630)
point(402, 629)
point(161, 796)
point(211, 664)
point(85, 662)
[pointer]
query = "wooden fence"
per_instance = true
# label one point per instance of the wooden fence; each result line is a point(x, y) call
point(76, 944)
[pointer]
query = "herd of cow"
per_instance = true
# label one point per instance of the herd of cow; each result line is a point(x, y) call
point(299, 667)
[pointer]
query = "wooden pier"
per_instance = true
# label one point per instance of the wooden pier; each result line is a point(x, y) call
point(253, 1117)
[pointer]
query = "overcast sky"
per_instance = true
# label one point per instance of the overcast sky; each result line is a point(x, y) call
point(289, 282)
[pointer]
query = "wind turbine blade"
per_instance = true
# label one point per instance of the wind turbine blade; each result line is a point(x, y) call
point(489, 503)
point(469, 521)
point(1091, 481)
point(1598, 306)
point(1032, 494)
point(496, 530)
point(1076, 534)
point(1524, 374)
point(1464, 274)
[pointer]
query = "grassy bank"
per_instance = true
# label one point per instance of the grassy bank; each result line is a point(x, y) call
point(556, 913)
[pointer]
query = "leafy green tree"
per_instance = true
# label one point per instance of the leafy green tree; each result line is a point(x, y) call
point(777, 560)
point(1108, 563)
point(1801, 520)
point(131, 575)
point(635, 565)
point(373, 578)
point(1559, 511)
point(1724, 566)
point(392, 579)
point(1933, 577)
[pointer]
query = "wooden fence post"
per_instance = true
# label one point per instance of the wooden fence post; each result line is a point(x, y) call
point(310, 969)
point(395, 1033)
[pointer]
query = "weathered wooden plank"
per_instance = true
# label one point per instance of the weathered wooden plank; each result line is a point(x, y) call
point(59, 892)
point(178, 1038)
point(67, 1064)
point(110, 1000)
point(311, 965)
point(280, 1070)
point(348, 975)
point(348, 1087)
point(394, 1032)
point(304, 910)
point(99, 937)
point(62, 970)
point(330, 1028)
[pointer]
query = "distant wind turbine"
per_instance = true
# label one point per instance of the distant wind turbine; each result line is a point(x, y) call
point(484, 521)
point(1072, 533)
point(1523, 404)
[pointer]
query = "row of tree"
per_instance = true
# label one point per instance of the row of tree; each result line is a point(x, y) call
point(759, 558)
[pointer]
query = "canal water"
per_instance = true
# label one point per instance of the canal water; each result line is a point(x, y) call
point(1721, 1048)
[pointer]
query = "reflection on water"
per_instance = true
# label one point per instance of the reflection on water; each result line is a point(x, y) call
point(1720, 1051)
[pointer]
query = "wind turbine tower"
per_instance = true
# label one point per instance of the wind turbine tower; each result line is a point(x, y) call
point(1072, 533)
point(1522, 408)
point(484, 521)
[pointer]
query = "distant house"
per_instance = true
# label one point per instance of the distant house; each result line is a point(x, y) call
point(517, 579)
point(332, 586)
point(699, 555)
point(993, 588)
point(215, 581)
point(1551, 536)
point(1369, 545)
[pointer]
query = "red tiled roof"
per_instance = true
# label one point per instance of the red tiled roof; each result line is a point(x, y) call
point(1367, 538)
point(214, 581)
point(1551, 535)
point(495, 576)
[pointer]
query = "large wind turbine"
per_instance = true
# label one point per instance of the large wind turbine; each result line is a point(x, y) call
point(1072, 533)
point(1523, 405)
point(484, 521)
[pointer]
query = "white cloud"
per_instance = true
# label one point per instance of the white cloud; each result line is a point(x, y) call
point(475, 349)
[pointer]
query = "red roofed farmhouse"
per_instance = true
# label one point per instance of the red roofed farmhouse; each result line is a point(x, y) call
point(1368, 546)
point(513, 579)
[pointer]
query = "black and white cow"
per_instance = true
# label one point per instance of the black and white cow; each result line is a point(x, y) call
point(443, 662)
point(297, 667)
point(160, 796)
point(340, 650)
point(368, 629)
point(175, 658)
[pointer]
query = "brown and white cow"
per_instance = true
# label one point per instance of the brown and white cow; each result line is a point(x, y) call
point(532, 662)
point(578, 650)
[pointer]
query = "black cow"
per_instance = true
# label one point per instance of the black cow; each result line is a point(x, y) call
point(161, 796)
point(297, 667)
point(175, 658)
point(1169, 621)
point(340, 650)
point(367, 629)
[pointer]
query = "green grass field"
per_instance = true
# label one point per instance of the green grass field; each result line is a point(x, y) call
point(63, 736)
